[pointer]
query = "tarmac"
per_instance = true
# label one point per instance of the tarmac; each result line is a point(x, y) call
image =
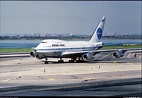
point(24, 71)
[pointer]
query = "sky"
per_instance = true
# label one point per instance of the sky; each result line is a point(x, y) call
point(69, 17)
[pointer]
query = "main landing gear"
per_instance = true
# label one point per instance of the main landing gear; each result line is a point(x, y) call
point(46, 62)
point(72, 60)
point(78, 59)
point(61, 60)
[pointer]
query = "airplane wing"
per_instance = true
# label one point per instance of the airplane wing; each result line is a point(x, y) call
point(79, 53)
point(113, 50)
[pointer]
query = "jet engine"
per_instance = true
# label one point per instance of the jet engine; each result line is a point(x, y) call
point(32, 54)
point(87, 56)
point(118, 54)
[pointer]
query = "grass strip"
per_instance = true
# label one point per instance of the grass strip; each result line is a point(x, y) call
point(120, 47)
point(8, 50)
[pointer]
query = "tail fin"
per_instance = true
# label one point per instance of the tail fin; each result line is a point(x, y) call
point(97, 34)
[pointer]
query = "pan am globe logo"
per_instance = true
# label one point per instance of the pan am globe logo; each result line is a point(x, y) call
point(99, 33)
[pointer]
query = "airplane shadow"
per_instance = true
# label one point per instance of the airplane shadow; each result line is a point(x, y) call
point(94, 61)
point(103, 58)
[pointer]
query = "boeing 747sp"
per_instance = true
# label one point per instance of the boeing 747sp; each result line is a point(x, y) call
point(76, 50)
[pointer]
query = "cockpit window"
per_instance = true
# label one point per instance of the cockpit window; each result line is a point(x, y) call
point(43, 42)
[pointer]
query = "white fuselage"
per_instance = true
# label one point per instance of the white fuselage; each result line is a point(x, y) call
point(55, 48)
point(70, 49)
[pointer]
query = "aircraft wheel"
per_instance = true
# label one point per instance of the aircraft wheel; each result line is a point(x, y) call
point(71, 61)
point(46, 62)
point(60, 61)
point(79, 61)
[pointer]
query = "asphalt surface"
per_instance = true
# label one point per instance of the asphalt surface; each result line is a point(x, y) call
point(96, 86)
point(121, 87)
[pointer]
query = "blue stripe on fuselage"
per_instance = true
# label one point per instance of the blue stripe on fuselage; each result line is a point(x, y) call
point(75, 49)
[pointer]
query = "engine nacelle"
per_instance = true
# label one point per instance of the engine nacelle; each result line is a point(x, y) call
point(87, 56)
point(32, 54)
point(118, 54)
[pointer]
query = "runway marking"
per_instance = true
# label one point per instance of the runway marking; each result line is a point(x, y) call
point(128, 54)
point(115, 62)
point(89, 79)
point(52, 79)
point(105, 56)
point(6, 80)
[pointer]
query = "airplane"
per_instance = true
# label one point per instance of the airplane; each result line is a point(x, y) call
point(76, 50)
